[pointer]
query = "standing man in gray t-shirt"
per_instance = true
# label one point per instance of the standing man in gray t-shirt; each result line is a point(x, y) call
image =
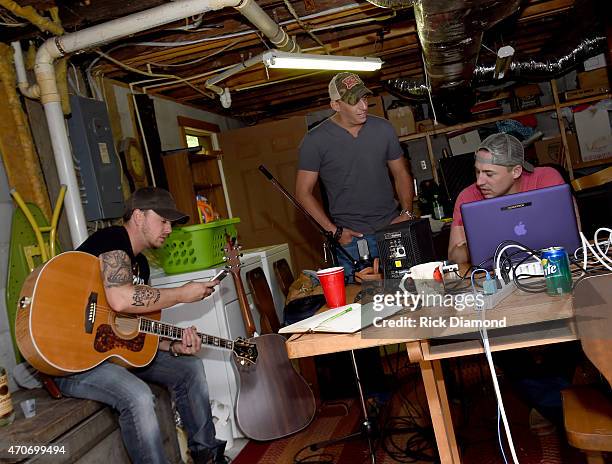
point(352, 152)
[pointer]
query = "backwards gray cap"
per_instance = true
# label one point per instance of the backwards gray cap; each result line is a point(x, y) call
point(505, 149)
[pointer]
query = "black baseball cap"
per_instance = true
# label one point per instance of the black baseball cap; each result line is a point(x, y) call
point(158, 200)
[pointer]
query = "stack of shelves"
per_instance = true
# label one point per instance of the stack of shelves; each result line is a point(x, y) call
point(556, 107)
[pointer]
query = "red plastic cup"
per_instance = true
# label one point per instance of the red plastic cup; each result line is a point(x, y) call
point(332, 281)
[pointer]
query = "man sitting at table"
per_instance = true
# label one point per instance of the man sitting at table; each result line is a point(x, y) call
point(501, 169)
point(537, 375)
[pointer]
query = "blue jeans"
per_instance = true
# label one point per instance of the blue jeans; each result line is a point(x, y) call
point(354, 252)
point(127, 392)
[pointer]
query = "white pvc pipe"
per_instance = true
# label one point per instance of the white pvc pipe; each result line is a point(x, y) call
point(137, 22)
point(103, 33)
point(22, 77)
point(211, 83)
point(277, 35)
point(65, 169)
point(45, 76)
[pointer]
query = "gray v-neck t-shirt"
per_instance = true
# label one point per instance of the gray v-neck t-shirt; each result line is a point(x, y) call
point(354, 171)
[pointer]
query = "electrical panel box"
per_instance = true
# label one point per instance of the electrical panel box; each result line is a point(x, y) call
point(96, 163)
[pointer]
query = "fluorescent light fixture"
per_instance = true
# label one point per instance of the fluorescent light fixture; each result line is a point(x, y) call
point(286, 60)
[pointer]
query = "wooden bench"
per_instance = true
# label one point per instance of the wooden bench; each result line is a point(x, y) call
point(88, 430)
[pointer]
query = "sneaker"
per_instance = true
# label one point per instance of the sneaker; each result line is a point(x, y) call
point(539, 425)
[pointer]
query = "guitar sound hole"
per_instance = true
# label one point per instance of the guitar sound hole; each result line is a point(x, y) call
point(126, 327)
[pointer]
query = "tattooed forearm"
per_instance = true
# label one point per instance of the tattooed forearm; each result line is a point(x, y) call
point(145, 295)
point(116, 269)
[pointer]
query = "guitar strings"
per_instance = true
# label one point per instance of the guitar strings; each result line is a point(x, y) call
point(107, 309)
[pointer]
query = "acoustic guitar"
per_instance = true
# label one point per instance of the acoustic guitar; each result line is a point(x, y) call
point(64, 324)
point(273, 400)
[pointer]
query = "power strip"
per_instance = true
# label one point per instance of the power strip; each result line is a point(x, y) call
point(533, 268)
point(490, 301)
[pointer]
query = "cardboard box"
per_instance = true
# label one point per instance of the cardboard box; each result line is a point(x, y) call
point(527, 96)
point(585, 93)
point(550, 151)
point(375, 106)
point(594, 134)
point(402, 119)
point(427, 124)
point(595, 79)
point(467, 142)
point(595, 62)
point(525, 91)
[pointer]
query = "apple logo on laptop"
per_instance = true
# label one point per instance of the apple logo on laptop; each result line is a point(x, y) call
point(520, 229)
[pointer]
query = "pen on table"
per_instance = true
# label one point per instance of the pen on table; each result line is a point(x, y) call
point(347, 310)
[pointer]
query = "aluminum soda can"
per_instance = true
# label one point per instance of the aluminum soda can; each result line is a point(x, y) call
point(556, 270)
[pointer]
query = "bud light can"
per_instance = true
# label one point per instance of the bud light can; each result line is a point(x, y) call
point(557, 271)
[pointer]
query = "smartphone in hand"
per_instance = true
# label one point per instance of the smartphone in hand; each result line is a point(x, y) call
point(220, 275)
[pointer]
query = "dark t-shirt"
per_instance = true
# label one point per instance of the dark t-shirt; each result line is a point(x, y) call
point(116, 238)
point(354, 171)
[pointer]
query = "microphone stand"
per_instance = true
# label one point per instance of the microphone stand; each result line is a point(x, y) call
point(367, 428)
point(331, 244)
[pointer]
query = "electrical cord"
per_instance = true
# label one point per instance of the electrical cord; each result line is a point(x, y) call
point(394, 429)
point(597, 252)
point(500, 403)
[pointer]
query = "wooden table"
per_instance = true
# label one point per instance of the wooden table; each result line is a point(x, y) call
point(532, 320)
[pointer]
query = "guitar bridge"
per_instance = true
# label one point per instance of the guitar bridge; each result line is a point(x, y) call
point(90, 312)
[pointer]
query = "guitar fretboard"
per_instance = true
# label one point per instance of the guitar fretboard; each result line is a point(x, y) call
point(176, 333)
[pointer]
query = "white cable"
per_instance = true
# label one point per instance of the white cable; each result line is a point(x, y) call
point(594, 260)
point(487, 348)
point(499, 254)
point(500, 402)
point(586, 245)
point(501, 445)
point(433, 110)
point(603, 254)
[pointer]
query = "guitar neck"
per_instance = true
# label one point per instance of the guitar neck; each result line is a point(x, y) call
point(173, 332)
point(247, 316)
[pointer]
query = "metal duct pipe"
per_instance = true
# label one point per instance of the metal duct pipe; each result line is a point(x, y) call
point(451, 31)
point(547, 67)
point(407, 88)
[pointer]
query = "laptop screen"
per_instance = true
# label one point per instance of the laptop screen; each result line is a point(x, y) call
point(537, 219)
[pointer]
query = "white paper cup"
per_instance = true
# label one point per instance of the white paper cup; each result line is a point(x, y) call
point(29, 408)
point(425, 270)
point(423, 277)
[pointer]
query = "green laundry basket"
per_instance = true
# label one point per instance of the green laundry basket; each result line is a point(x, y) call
point(196, 247)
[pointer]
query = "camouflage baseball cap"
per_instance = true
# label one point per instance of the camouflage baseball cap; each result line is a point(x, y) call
point(505, 149)
point(347, 87)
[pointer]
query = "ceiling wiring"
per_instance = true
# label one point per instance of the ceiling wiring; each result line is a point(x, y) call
point(151, 74)
point(197, 60)
point(305, 26)
point(206, 74)
point(9, 21)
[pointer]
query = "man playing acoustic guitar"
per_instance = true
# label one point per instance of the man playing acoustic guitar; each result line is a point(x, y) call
point(148, 219)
